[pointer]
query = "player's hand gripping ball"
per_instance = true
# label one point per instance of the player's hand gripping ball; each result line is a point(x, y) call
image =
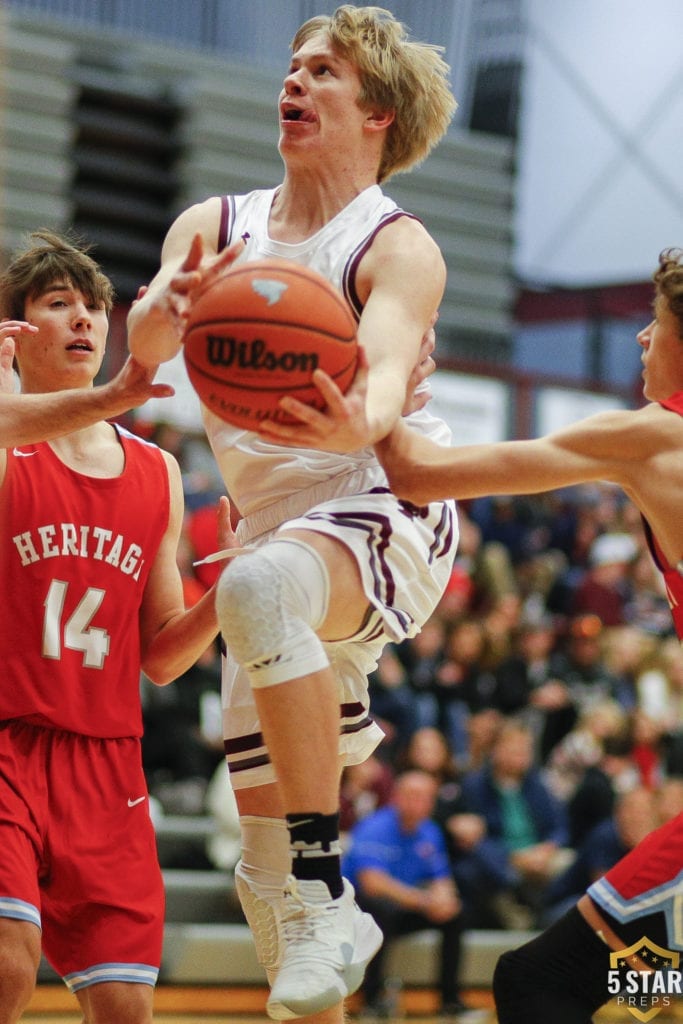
point(259, 332)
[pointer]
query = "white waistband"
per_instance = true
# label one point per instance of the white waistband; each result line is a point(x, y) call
point(269, 518)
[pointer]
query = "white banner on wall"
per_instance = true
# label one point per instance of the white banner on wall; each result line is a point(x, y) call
point(183, 410)
point(556, 408)
point(477, 409)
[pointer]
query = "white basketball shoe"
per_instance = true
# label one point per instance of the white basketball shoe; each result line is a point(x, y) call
point(327, 946)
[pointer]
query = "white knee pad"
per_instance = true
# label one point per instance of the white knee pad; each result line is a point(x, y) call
point(269, 604)
point(260, 878)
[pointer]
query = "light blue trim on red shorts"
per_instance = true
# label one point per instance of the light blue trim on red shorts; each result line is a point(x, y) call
point(19, 910)
point(137, 974)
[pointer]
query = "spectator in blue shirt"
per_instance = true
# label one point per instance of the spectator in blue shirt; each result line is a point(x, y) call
point(399, 865)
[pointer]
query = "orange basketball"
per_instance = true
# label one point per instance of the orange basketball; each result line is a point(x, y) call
point(258, 333)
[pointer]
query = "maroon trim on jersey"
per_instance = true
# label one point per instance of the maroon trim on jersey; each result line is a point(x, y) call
point(377, 531)
point(353, 262)
point(245, 752)
point(655, 550)
point(227, 220)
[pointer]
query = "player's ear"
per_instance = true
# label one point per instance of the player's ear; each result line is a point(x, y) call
point(378, 120)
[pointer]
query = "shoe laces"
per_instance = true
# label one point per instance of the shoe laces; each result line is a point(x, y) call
point(302, 920)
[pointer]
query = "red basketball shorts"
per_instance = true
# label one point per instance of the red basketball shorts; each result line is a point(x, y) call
point(79, 853)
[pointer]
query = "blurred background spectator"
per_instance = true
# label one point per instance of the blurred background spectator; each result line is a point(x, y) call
point(583, 747)
point(364, 788)
point(393, 703)
point(526, 838)
point(398, 864)
point(634, 815)
point(604, 589)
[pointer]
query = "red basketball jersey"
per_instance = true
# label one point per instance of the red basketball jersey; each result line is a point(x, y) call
point(646, 881)
point(75, 554)
point(673, 575)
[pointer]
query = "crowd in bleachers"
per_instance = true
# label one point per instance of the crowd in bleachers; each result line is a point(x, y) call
point(545, 695)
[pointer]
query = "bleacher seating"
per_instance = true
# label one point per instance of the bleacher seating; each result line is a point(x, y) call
point(181, 839)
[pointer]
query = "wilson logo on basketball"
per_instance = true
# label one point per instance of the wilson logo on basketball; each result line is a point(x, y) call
point(258, 332)
point(225, 351)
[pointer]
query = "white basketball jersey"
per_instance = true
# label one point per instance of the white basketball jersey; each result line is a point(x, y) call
point(256, 473)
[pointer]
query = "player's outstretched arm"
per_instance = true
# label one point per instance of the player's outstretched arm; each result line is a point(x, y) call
point(189, 263)
point(608, 446)
point(28, 419)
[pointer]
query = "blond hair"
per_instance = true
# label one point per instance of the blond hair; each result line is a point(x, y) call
point(397, 75)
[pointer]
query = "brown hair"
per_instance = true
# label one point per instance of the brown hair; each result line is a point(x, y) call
point(668, 279)
point(50, 259)
point(407, 78)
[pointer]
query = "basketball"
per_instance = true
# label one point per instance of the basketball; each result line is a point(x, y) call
point(259, 332)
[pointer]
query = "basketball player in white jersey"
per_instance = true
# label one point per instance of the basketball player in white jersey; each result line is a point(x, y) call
point(336, 566)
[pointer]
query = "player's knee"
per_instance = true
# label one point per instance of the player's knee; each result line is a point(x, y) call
point(269, 604)
point(112, 1002)
point(17, 979)
point(237, 590)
